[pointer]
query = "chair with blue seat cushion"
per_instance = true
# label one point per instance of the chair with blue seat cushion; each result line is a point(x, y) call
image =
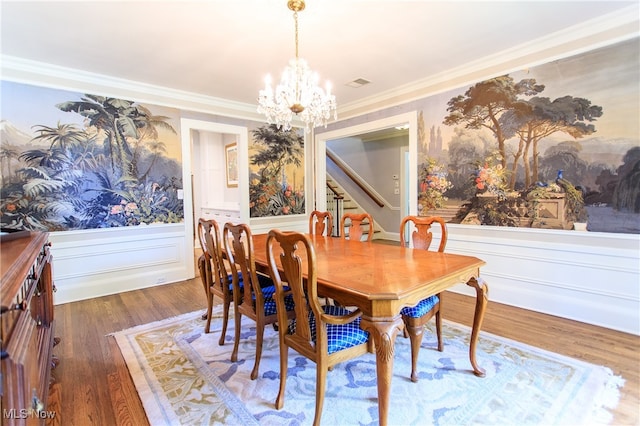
point(320, 223)
point(415, 317)
point(326, 335)
point(216, 279)
point(255, 299)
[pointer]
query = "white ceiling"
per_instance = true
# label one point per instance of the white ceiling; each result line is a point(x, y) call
point(224, 49)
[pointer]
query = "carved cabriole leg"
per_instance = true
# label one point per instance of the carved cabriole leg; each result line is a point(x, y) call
point(259, 340)
point(415, 336)
point(321, 380)
point(207, 326)
point(482, 294)
point(236, 339)
point(284, 361)
point(383, 332)
point(225, 321)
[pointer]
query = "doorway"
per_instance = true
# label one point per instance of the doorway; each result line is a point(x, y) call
point(203, 165)
point(407, 159)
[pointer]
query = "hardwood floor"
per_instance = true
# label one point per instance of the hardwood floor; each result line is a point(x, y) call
point(93, 385)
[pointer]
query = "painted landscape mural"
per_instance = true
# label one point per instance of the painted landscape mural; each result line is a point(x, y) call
point(71, 161)
point(276, 178)
point(556, 146)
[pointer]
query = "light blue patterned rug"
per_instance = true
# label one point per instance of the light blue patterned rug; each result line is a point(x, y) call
point(184, 377)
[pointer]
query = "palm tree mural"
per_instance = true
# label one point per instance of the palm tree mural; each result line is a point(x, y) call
point(270, 192)
point(119, 120)
point(88, 177)
point(8, 153)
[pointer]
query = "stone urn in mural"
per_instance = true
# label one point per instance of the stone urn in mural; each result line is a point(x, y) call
point(557, 205)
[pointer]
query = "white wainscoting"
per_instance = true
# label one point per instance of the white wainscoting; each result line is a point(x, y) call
point(100, 262)
point(590, 277)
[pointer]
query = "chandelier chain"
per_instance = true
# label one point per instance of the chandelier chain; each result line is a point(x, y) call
point(295, 18)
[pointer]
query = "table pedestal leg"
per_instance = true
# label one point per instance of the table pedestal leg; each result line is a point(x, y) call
point(482, 293)
point(384, 335)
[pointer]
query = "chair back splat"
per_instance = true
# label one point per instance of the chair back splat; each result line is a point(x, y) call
point(422, 234)
point(324, 334)
point(356, 222)
point(320, 223)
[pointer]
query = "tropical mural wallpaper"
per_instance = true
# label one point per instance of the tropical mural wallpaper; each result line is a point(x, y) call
point(276, 180)
point(556, 146)
point(79, 161)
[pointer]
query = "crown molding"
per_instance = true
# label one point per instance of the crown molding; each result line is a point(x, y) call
point(605, 30)
point(27, 71)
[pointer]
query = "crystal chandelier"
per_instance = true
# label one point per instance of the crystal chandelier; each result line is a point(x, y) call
point(298, 92)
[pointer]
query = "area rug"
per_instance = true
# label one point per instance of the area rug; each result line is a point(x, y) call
point(184, 377)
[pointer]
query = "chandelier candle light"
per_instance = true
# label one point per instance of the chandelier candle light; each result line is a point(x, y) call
point(298, 92)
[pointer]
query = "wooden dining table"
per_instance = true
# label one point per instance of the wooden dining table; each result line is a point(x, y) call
point(380, 280)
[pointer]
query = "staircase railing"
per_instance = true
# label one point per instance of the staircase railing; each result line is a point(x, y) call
point(347, 171)
point(335, 205)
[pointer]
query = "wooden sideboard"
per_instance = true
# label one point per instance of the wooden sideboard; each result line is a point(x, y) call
point(26, 327)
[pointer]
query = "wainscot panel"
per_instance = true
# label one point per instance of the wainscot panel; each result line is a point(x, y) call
point(95, 263)
point(590, 277)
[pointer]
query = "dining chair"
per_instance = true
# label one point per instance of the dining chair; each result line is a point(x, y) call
point(355, 223)
point(326, 335)
point(319, 222)
point(255, 299)
point(416, 317)
point(217, 281)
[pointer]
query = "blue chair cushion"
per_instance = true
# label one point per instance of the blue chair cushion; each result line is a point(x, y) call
point(421, 308)
point(268, 291)
point(339, 337)
point(230, 281)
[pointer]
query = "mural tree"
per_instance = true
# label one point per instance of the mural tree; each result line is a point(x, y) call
point(8, 153)
point(486, 104)
point(269, 192)
point(627, 192)
point(541, 118)
point(500, 105)
point(121, 121)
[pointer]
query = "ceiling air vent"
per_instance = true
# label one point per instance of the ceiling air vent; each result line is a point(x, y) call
point(358, 82)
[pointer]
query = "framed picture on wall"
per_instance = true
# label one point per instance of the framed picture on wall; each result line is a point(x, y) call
point(231, 161)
